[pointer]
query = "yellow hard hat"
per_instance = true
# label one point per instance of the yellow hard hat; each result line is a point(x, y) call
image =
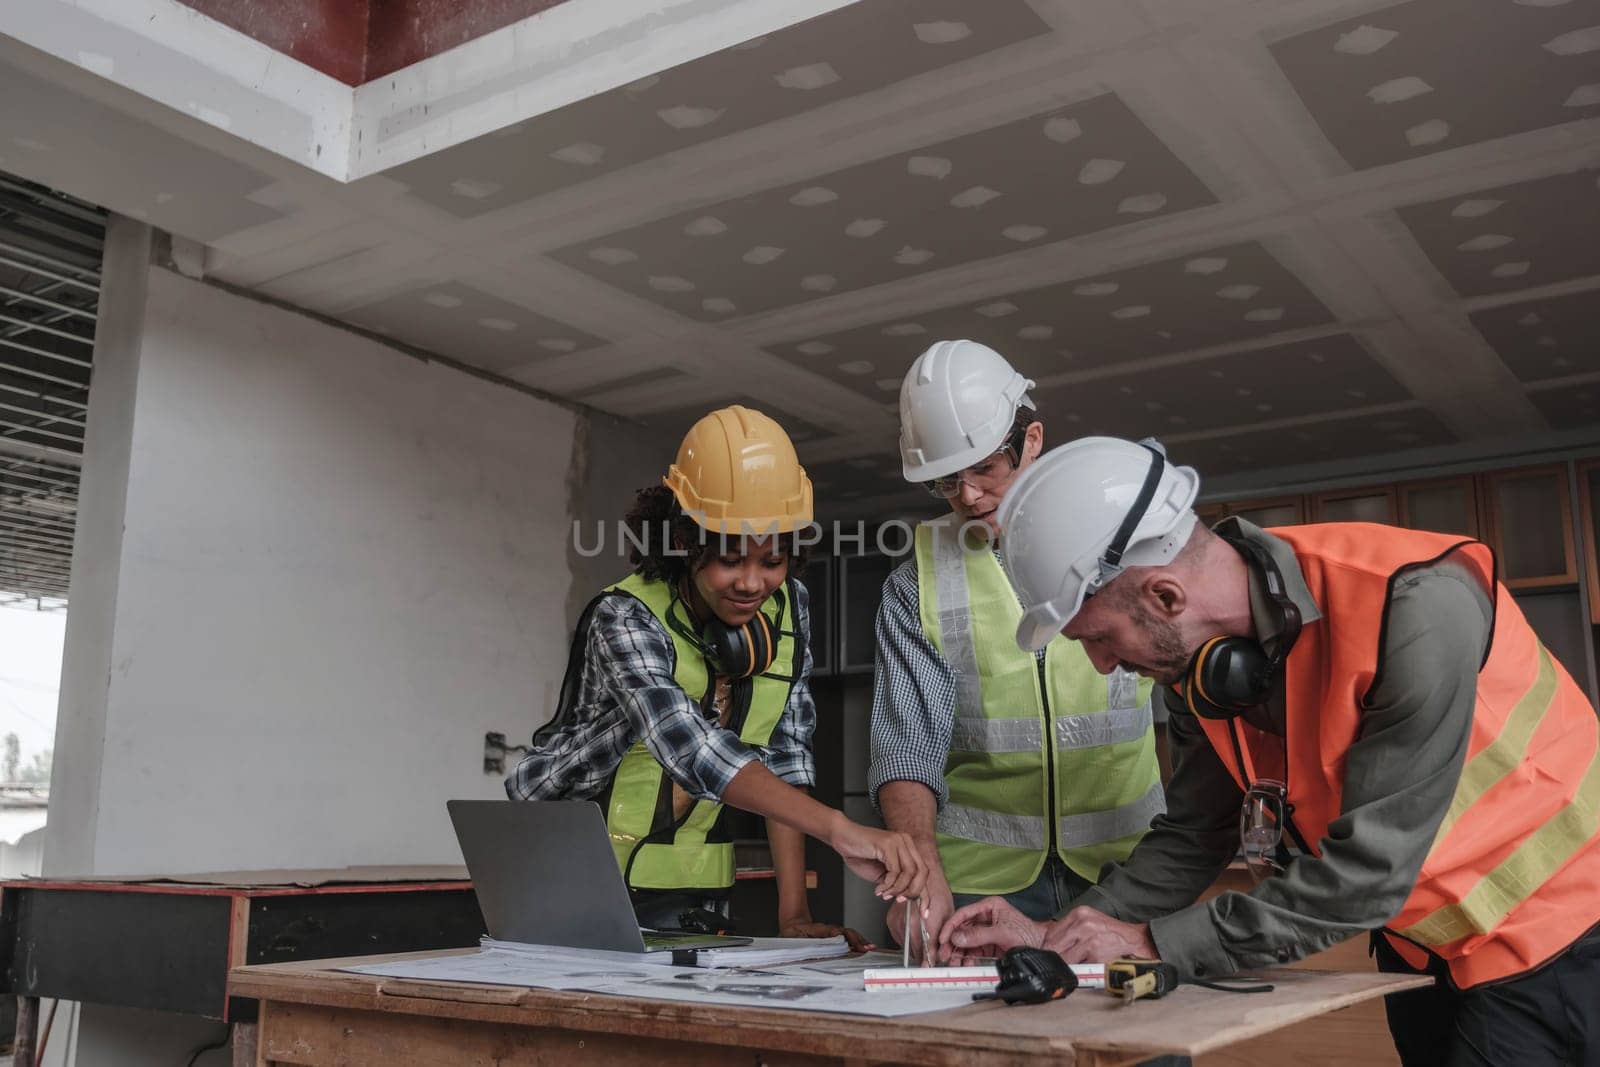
point(737, 474)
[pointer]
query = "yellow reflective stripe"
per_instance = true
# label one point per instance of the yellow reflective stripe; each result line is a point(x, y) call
point(1522, 872)
point(1502, 755)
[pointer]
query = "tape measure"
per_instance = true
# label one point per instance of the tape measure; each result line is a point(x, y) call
point(1132, 978)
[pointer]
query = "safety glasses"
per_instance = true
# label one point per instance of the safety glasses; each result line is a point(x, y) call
point(1262, 818)
point(989, 473)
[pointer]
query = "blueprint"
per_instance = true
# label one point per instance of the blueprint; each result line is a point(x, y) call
point(828, 985)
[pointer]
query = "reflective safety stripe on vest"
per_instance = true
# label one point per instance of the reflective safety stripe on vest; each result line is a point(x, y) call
point(1015, 719)
point(1510, 877)
point(653, 850)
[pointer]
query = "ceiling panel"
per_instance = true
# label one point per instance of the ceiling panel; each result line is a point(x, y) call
point(1335, 439)
point(1318, 377)
point(468, 324)
point(677, 420)
point(839, 482)
point(1224, 295)
point(853, 50)
point(651, 376)
point(1513, 236)
point(1571, 407)
point(68, 141)
point(1404, 81)
point(1551, 338)
point(1047, 177)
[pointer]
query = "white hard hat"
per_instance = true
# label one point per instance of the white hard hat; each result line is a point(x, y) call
point(957, 403)
point(1080, 515)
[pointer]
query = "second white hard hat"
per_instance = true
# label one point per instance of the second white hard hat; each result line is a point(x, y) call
point(957, 403)
point(1080, 515)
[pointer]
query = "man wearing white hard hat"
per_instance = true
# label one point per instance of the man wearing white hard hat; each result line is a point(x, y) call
point(1017, 773)
point(1371, 696)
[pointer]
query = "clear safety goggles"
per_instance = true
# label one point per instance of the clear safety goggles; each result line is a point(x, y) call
point(987, 474)
point(1262, 817)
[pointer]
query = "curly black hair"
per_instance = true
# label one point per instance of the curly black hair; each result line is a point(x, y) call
point(667, 545)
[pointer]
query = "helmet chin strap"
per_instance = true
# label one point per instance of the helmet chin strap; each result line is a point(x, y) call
point(1110, 565)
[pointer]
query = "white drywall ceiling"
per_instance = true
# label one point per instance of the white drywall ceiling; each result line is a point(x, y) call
point(1160, 208)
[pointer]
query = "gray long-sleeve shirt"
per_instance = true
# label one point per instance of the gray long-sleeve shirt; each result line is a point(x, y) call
point(1400, 774)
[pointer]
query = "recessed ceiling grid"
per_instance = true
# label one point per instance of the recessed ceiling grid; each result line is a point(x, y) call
point(857, 49)
point(1228, 294)
point(1359, 226)
point(1049, 176)
point(50, 252)
point(1427, 76)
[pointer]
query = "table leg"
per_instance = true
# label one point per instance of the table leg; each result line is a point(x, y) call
point(22, 1053)
point(244, 1045)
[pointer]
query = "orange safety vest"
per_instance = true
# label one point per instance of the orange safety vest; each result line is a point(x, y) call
point(1513, 876)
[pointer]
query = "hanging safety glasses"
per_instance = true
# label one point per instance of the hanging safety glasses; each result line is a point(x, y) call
point(1262, 818)
point(1265, 814)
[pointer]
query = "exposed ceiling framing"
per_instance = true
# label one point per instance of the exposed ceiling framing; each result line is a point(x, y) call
point(50, 251)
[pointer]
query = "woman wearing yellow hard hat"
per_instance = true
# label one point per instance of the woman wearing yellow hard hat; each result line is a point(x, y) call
point(687, 689)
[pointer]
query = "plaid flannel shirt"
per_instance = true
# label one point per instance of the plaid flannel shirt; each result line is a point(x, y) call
point(627, 693)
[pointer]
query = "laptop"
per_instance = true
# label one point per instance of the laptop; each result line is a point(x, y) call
point(545, 874)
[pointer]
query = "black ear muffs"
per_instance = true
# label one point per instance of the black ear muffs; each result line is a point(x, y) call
point(1229, 674)
point(1226, 676)
point(742, 651)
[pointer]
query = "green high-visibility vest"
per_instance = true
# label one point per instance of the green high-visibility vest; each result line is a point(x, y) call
point(654, 850)
point(1045, 753)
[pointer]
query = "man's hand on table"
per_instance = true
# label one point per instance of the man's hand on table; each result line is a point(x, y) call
point(1082, 935)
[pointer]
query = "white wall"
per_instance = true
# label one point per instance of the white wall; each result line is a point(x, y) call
point(338, 566)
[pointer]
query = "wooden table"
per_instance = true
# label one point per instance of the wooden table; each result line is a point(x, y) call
point(314, 1016)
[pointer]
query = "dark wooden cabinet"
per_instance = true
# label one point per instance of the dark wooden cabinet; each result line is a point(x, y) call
point(1589, 510)
point(1530, 526)
point(861, 579)
point(1277, 511)
point(1373, 504)
point(1443, 505)
point(818, 581)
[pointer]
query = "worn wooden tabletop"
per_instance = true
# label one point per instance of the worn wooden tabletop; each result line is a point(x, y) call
point(1086, 1028)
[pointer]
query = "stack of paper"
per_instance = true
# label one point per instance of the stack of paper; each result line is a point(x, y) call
point(773, 952)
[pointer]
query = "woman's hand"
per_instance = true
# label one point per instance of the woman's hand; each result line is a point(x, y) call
point(811, 928)
point(937, 904)
point(887, 859)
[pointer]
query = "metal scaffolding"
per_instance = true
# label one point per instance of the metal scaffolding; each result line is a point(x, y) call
point(50, 251)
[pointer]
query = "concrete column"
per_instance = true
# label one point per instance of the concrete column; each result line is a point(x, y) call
point(97, 552)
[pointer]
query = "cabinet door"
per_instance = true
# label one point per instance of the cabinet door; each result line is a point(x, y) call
point(1355, 505)
point(1531, 526)
point(861, 581)
point(818, 579)
point(1589, 489)
point(1448, 505)
point(1284, 511)
point(1556, 615)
